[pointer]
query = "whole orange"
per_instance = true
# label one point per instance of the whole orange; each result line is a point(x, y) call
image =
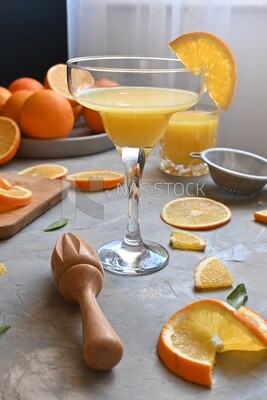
point(46, 115)
point(4, 95)
point(25, 83)
point(13, 105)
point(93, 120)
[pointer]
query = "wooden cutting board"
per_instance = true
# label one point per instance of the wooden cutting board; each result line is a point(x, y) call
point(46, 193)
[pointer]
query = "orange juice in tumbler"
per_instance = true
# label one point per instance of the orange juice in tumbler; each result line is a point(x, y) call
point(188, 131)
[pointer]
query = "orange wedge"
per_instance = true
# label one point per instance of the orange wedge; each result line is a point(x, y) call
point(186, 241)
point(211, 273)
point(9, 139)
point(96, 180)
point(203, 49)
point(261, 216)
point(5, 184)
point(56, 79)
point(189, 340)
point(3, 269)
point(13, 198)
point(49, 171)
point(196, 213)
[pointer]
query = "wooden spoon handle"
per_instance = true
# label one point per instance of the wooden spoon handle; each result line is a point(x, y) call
point(102, 348)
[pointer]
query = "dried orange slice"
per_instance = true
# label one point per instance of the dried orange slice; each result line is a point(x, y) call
point(186, 241)
point(261, 216)
point(189, 340)
point(49, 171)
point(203, 49)
point(196, 213)
point(13, 198)
point(211, 273)
point(9, 139)
point(96, 180)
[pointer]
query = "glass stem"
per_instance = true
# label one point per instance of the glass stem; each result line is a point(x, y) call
point(134, 161)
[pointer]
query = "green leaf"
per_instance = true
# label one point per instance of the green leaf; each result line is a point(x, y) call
point(3, 329)
point(56, 225)
point(238, 296)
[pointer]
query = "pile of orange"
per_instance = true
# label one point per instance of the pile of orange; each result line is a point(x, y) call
point(44, 110)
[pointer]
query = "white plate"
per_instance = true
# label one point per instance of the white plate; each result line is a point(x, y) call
point(79, 143)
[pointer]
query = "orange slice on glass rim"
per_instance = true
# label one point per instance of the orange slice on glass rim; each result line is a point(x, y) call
point(189, 340)
point(203, 49)
point(96, 180)
point(195, 213)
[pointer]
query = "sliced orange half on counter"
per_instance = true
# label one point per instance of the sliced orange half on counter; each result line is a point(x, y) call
point(189, 340)
point(96, 180)
point(203, 49)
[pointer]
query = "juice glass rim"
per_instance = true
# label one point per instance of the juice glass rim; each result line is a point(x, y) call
point(77, 62)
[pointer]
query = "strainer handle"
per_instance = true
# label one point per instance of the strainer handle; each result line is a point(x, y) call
point(195, 154)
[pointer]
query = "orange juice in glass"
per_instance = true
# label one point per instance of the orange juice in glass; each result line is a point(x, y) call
point(188, 131)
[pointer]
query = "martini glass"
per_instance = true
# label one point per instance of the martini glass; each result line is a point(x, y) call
point(136, 96)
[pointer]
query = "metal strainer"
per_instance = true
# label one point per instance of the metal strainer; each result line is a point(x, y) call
point(236, 170)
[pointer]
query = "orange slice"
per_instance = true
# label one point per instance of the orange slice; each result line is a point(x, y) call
point(96, 180)
point(5, 184)
point(186, 241)
point(3, 269)
point(261, 216)
point(196, 213)
point(211, 273)
point(203, 49)
point(189, 340)
point(9, 139)
point(13, 198)
point(49, 171)
point(56, 79)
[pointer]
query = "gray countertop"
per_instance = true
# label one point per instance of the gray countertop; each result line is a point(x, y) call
point(41, 355)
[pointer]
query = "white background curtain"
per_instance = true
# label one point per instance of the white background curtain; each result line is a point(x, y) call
point(144, 27)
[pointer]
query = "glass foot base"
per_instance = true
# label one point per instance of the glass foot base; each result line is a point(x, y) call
point(119, 258)
point(183, 170)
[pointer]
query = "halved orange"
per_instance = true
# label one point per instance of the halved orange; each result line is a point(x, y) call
point(56, 79)
point(189, 340)
point(96, 180)
point(15, 197)
point(212, 273)
point(261, 216)
point(203, 49)
point(196, 213)
point(9, 139)
point(49, 171)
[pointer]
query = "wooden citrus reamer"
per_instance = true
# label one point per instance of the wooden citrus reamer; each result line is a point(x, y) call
point(78, 275)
